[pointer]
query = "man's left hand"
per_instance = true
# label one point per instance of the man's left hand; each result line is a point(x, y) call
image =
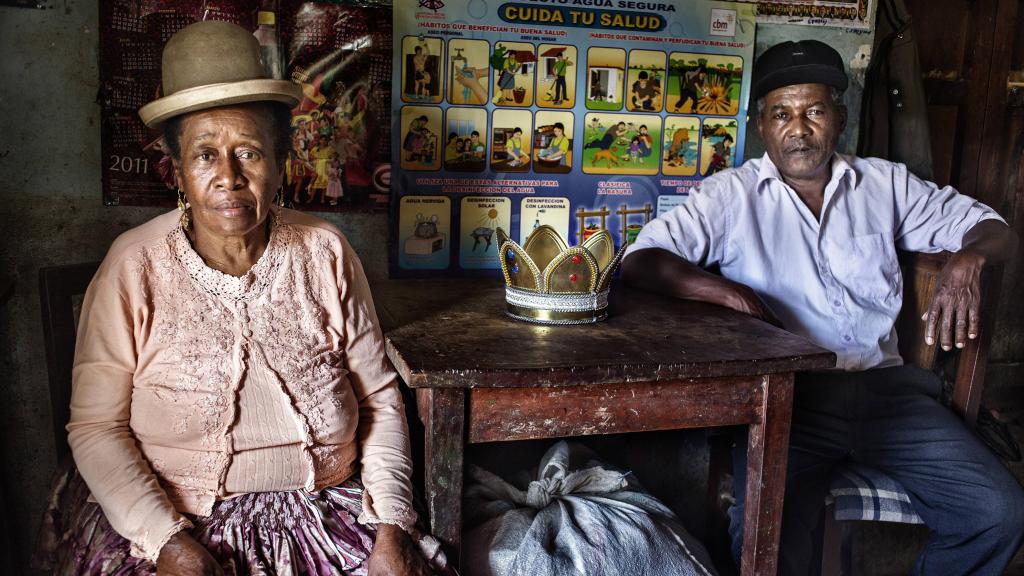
point(395, 554)
point(955, 311)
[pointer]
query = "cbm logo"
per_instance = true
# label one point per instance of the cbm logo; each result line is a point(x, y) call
point(434, 5)
point(723, 22)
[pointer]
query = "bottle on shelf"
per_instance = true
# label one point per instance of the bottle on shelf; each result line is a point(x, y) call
point(268, 36)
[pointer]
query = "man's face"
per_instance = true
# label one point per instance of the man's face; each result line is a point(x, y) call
point(474, 138)
point(800, 127)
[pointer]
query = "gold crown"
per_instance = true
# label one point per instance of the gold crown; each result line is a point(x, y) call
point(548, 282)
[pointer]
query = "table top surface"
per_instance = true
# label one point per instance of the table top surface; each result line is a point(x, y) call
point(455, 333)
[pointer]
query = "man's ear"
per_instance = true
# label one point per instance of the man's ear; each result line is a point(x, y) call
point(759, 122)
point(843, 116)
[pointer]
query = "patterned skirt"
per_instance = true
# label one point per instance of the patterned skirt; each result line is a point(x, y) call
point(285, 533)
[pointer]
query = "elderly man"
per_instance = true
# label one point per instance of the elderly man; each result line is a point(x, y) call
point(806, 238)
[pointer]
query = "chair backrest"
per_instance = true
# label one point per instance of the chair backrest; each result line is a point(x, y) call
point(920, 280)
point(60, 292)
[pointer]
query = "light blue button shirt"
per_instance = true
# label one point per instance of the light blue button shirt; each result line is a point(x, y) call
point(836, 281)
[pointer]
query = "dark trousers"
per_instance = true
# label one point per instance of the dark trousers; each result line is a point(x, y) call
point(560, 88)
point(687, 95)
point(890, 419)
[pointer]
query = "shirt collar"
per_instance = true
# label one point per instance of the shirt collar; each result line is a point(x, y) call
point(841, 168)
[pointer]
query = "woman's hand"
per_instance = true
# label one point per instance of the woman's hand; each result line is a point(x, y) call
point(395, 554)
point(183, 556)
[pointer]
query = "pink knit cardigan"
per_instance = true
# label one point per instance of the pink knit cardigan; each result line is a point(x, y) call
point(165, 342)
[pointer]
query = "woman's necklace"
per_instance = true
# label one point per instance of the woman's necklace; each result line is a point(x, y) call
point(220, 265)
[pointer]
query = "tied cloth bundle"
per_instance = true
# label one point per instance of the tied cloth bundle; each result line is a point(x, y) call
point(588, 520)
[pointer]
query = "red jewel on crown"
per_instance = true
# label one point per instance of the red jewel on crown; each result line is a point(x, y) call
point(571, 287)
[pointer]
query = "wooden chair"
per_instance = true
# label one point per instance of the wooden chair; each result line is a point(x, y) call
point(920, 275)
point(60, 289)
point(6, 548)
point(920, 279)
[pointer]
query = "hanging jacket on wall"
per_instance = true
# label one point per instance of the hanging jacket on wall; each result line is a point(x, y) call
point(894, 114)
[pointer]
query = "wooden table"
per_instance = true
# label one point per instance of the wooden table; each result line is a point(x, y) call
point(655, 364)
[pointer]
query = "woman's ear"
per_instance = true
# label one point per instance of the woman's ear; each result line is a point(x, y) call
point(176, 167)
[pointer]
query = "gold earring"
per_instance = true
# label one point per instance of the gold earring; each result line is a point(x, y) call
point(186, 212)
point(275, 213)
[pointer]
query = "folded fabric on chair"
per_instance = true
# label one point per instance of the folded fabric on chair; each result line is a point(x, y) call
point(865, 493)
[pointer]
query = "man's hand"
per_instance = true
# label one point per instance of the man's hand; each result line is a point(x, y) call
point(742, 298)
point(183, 556)
point(661, 271)
point(955, 310)
point(395, 554)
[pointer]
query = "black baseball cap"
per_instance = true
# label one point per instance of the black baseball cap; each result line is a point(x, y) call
point(803, 62)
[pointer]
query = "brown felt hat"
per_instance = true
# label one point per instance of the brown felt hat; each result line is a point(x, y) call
point(210, 64)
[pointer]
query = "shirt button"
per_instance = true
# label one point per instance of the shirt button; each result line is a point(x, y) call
point(847, 338)
point(247, 333)
point(837, 303)
point(242, 305)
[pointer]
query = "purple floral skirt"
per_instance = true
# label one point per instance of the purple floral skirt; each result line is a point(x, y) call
point(286, 533)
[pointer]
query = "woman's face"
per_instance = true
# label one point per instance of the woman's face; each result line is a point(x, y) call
point(228, 170)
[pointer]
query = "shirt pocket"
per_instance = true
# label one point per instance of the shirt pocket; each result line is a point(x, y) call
point(867, 267)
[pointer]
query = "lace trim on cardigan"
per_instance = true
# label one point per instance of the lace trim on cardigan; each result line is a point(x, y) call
point(249, 286)
point(151, 550)
point(245, 287)
point(397, 514)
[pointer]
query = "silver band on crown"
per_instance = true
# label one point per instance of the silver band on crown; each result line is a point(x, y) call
point(583, 308)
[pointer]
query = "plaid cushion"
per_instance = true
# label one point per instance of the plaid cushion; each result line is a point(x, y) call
point(864, 493)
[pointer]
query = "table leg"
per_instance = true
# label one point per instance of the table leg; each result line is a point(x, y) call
point(767, 452)
point(443, 413)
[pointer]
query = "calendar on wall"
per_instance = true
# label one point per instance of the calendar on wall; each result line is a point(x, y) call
point(338, 51)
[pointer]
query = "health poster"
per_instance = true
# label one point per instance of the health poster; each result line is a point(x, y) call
point(582, 115)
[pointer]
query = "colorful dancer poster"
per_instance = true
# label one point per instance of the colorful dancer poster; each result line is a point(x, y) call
point(849, 14)
point(338, 50)
point(581, 117)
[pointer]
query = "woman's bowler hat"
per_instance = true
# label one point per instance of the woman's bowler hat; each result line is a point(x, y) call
point(210, 64)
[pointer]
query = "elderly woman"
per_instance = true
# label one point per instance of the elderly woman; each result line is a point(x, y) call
point(233, 410)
